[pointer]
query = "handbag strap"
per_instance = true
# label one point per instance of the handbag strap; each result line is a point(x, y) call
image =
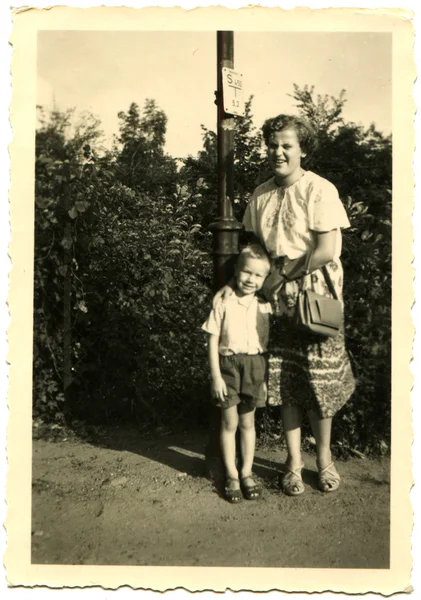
point(329, 283)
point(326, 275)
point(307, 272)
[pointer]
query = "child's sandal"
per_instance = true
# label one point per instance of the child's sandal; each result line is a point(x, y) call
point(251, 490)
point(232, 495)
point(292, 482)
point(329, 478)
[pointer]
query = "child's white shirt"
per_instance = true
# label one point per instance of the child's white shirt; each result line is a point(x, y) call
point(243, 325)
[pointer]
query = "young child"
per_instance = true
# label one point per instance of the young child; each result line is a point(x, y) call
point(238, 336)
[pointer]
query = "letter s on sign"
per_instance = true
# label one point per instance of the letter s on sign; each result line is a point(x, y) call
point(229, 78)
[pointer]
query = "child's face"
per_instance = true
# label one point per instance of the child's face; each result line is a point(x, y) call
point(251, 274)
point(284, 154)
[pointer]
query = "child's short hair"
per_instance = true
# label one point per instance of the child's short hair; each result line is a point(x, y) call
point(253, 251)
point(305, 133)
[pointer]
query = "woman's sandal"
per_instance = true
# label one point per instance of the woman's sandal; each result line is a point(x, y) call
point(233, 495)
point(329, 478)
point(251, 491)
point(292, 482)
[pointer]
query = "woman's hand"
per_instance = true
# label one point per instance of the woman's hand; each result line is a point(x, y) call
point(295, 268)
point(224, 293)
point(273, 283)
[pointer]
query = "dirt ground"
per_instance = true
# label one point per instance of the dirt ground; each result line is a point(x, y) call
point(118, 499)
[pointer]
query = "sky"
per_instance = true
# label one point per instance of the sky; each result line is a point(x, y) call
point(104, 71)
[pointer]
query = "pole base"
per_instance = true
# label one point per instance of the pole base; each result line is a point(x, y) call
point(214, 466)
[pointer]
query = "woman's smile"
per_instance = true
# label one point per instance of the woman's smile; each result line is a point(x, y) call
point(284, 154)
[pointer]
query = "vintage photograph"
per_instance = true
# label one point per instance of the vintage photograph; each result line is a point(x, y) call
point(212, 354)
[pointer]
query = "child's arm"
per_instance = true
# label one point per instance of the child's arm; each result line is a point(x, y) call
point(218, 387)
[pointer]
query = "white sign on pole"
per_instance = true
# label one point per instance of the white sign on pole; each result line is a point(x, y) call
point(232, 90)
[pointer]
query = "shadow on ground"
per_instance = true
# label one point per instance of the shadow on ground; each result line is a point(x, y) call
point(117, 499)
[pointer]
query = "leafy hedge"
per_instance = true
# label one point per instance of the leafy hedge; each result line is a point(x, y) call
point(139, 286)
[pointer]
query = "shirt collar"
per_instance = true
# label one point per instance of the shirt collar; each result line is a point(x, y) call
point(243, 300)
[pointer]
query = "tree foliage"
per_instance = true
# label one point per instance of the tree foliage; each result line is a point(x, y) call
point(201, 173)
point(141, 162)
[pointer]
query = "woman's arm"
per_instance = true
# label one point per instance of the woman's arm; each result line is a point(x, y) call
point(323, 253)
point(224, 292)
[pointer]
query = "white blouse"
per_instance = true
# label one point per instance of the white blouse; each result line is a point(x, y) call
point(284, 218)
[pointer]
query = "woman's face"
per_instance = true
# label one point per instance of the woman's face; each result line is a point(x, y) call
point(285, 154)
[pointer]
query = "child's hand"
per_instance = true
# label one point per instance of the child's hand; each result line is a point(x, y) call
point(222, 294)
point(219, 389)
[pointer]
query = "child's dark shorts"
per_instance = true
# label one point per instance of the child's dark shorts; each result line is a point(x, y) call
point(245, 378)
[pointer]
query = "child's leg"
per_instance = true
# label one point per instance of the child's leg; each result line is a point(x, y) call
point(247, 440)
point(229, 424)
point(250, 488)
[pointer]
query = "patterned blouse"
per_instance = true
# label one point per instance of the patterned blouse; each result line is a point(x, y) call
point(284, 218)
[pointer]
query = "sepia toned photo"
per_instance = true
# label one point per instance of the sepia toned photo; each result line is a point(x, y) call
point(207, 217)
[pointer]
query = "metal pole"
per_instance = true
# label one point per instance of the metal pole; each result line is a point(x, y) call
point(226, 228)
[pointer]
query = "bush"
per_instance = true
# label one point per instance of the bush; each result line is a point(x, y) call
point(145, 286)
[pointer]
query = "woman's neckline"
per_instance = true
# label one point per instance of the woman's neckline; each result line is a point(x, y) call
point(285, 187)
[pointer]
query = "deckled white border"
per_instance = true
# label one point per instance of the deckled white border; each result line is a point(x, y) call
point(5, 136)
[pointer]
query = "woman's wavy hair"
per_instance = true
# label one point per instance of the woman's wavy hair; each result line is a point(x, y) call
point(305, 133)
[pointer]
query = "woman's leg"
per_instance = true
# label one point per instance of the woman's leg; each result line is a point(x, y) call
point(292, 417)
point(292, 483)
point(247, 441)
point(229, 424)
point(328, 476)
point(322, 429)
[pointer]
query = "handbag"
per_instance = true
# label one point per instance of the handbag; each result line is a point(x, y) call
point(319, 314)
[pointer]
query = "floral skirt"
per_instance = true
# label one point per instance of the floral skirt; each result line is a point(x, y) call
point(304, 369)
